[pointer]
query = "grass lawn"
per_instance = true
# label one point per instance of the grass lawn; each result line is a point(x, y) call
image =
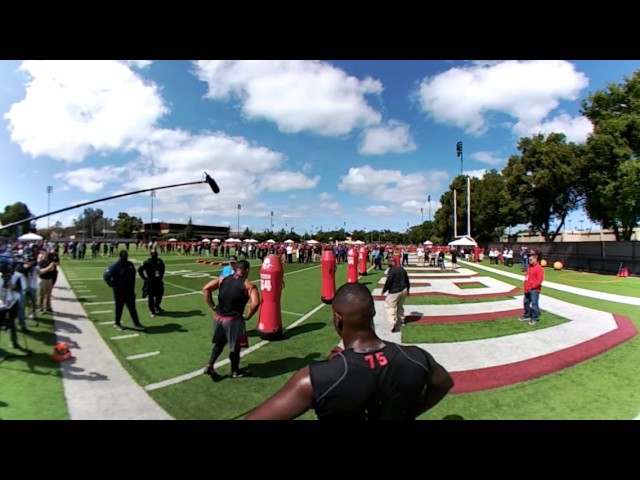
point(448, 300)
point(464, 286)
point(459, 332)
point(31, 386)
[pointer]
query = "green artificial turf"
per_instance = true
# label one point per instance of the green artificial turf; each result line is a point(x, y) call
point(463, 331)
point(32, 388)
point(31, 385)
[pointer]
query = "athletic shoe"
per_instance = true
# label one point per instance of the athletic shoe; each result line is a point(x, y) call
point(533, 322)
point(118, 327)
point(240, 373)
point(140, 328)
point(524, 319)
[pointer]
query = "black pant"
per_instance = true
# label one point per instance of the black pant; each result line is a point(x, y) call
point(156, 291)
point(8, 321)
point(128, 299)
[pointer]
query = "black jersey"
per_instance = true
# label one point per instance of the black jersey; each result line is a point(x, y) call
point(386, 383)
point(233, 297)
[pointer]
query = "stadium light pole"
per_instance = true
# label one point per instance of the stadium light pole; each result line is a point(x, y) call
point(239, 208)
point(422, 214)
point(272, 220)
point(429, 202)
point(459, 154)
point(207, 179)
point(49, 191)
point(153, 195)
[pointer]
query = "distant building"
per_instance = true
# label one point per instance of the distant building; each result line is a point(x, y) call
point(210, 232)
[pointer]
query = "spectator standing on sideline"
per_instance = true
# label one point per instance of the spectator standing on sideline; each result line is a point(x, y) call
point(231, 268)
point(368, 380)
point(121, 277)
point(532, 288)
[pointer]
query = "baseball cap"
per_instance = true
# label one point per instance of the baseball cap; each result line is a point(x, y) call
point(233, 259)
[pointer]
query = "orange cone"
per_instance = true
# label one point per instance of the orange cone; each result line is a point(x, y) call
point(61, 352)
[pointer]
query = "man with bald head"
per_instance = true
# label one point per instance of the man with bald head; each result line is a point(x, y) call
point(369, 380)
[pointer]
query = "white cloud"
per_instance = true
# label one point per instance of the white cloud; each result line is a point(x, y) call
point(284, 181)
point(476, 173)
point(91, 180)
point(297, 95)
point(333, 207)
point(527, 91)
point(141, 64)
point(393, 137)
point(324, 196)
point(135, 211)
point(379, 211)
point(576, 129)
point(488, 158)
point(392, 185)
point(306, 168)
point(73, 108)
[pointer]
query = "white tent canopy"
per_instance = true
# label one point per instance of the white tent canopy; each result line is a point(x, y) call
point(313, 242)
point(206, 240)
point(251, 240)
point(358, 242)
point(427, 242)
point(288, 241)
point(271, 241)
point(463, 242)
point(29, 237)
point(232, 240)
point(217, 240)
point(173, 240)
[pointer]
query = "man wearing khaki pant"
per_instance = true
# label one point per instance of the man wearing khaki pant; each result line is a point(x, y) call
point(398, 286)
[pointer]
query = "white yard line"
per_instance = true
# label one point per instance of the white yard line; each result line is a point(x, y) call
point(189, 376)
point(100, 311)
point(120, 337)
point(142, 355)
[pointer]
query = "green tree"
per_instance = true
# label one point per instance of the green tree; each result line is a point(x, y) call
point(15, 213)
point(90, 222)
point(189, 230)
point(126, 225)
point(546, 181)
point(491, 208)
point(247, 234)
point(443, 219)
point(611, 172)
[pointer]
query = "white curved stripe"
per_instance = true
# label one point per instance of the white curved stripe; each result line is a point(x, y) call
point(611, 297)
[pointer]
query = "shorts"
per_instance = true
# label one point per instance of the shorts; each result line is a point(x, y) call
point(232, 331)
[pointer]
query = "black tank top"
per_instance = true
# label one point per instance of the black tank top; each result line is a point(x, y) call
point(386, 383)
point(233, 297)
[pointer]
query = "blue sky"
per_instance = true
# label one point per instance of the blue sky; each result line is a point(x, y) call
point(328, 144)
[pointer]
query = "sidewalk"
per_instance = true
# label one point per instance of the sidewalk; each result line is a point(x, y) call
point(96, 385)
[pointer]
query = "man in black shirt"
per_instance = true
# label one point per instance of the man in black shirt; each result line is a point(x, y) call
point(229, 321)
point(369, 380)
point(121, 276)
point(398, 286)
point(152, 272)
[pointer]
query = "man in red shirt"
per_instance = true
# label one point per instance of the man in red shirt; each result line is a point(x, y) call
point(532, 287)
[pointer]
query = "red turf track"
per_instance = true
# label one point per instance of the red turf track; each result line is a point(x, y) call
point(494, 377)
